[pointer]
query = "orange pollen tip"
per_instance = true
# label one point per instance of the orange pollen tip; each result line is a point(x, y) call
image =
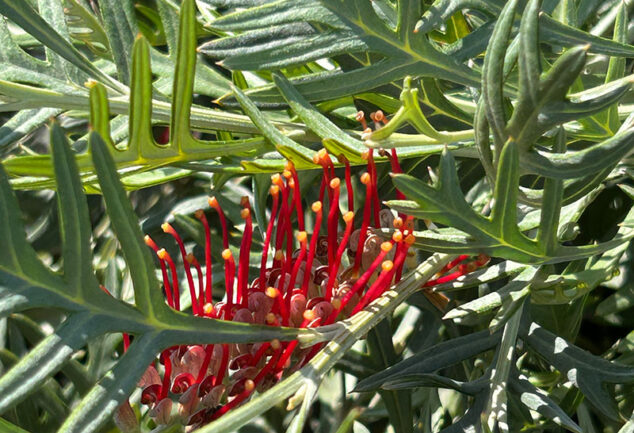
point(208, 308)
point(302, 236)
point(213, 202)
point(279, 255)
point(398, 222)
point(291, 183)
point(316, 158)
point(270, 318)
point(387, 265)
point(190, 258)
point(316, 207)
point(226, 254)
point(199, 213)
point(365, 178)
point(323, 153)
point(245, 213)
point(386, 247)
point(335, 182)
point(360, 115)
point(410, 239)
point(336, 303)
point(271, 292)
point(379, 116)
point(289, 166)
point(277, 179)
point(365, 154)
point(309, 315)
point(348, 217)
point(162, 254)
point(397, 236)
point(287, 174)
point(275, 190)
point(147, 239)
point(167, 228)
point(275, 343)
point(249, 385)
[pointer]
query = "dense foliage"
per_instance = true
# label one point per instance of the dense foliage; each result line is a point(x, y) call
point(513, 123)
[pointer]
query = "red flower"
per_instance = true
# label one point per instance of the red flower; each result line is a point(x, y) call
point(333, 274)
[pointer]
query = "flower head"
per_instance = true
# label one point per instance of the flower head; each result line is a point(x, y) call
point(307, 278)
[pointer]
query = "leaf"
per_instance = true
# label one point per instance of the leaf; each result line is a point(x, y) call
point(301, 156)
point(587, 372)
point(47, 357)
point(101, 402)
point(121, 29)
point(73, 217)
point(317, 122)
point(147, 293)
point(434, 358)
point(24, 15)
point(498, 235)
point(277, 35)
point(537, 400)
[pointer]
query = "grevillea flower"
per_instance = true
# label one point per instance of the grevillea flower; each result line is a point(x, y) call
point(307, 278)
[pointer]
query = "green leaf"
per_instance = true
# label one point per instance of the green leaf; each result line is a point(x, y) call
point(120, 27)
point(27, 18)
point(47, 357)
point(98, 406)
point(74, 219)
point(316, 121)
point(301, 156)
point(586, 371)
point(432, 359)
point(537, 400)
point(148, 296)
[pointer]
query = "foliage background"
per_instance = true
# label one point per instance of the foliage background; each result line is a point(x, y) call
point(541, 340)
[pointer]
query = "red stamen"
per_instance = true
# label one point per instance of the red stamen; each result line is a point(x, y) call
point(293, 344)
point(167, 375)
point(126, 342)
point(200, 215)
point(297, 196)
point(275, 192)
point(375, 193)
point(209, 350)
point(245, 251)
point(366, 180)
point(166, 284)
point(334, 269)
point(230, 269)
point(301, 238)
point(223, 365)
point(317, 208)
point(396, 168)
point(213, 203)
point(386, 247)
point(201, 288)
point(164, 255)
point(167, 228)
point(333, 217)
point(281, 220)
point(385, 279)
point(249, 386)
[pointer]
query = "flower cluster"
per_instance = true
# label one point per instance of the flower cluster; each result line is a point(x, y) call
point(306, 279)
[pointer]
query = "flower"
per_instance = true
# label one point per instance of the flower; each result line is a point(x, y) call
point(337, 270)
